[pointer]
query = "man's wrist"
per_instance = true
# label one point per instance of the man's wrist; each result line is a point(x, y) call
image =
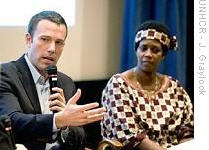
point(59, 122)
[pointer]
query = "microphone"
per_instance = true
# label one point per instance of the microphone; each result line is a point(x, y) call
point(52, 73)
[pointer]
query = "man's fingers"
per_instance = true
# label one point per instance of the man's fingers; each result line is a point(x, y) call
point(58, 90)
point(75, 98)
point(60, 105)
point(93, 118)
point(95, 111)
point(56, 108)
point(57, 96)
point(89, 106)
point(96, 116)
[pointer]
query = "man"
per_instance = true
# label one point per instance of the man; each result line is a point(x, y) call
point(24, 88)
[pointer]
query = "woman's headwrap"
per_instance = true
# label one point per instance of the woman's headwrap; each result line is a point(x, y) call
point(169, 42)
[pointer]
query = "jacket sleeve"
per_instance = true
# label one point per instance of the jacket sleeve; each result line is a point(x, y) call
point(26, 124)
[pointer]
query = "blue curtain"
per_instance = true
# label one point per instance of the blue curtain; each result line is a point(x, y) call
point(171, 12)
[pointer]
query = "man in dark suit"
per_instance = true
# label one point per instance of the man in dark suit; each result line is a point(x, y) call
point(24, 88)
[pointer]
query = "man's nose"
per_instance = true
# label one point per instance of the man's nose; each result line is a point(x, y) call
point(51, 47)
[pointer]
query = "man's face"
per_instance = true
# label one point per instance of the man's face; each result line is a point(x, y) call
point(46, 45)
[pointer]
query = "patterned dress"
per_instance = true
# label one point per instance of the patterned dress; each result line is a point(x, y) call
point(166, 119)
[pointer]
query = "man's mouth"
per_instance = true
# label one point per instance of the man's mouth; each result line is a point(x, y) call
point(49, 59)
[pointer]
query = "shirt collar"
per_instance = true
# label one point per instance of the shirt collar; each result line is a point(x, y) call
point(36, 75)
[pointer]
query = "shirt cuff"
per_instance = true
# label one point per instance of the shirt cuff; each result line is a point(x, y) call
point(54, 129)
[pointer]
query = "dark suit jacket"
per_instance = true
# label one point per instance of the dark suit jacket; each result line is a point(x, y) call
point(19, 100)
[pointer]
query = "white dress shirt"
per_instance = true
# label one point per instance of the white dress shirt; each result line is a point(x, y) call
point(43, 91)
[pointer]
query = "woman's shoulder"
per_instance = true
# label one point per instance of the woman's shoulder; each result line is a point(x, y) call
point(115, 79)
point(122, 77)
point(171, 81)
point(115, 76)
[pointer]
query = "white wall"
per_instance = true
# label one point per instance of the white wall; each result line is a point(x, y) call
point(92, 49)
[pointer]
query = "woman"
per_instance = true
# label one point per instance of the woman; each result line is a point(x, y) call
point(147, 110)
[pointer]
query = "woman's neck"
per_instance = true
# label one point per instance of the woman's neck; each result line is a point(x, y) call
point(145, 78)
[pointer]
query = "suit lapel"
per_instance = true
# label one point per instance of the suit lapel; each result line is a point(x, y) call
point(28, 83)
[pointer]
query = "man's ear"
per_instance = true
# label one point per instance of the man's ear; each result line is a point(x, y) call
point(28, 40)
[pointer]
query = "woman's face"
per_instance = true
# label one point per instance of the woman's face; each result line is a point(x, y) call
point(149, 55)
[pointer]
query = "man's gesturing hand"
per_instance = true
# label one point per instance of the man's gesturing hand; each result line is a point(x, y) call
point(76, 115)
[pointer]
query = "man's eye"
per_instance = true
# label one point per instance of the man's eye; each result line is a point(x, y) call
point(60, 43)
point(44, 39)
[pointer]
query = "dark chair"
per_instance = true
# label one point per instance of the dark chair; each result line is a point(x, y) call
point(91, 91)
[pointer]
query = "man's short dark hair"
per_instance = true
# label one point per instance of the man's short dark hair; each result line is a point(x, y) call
point(45, 15)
